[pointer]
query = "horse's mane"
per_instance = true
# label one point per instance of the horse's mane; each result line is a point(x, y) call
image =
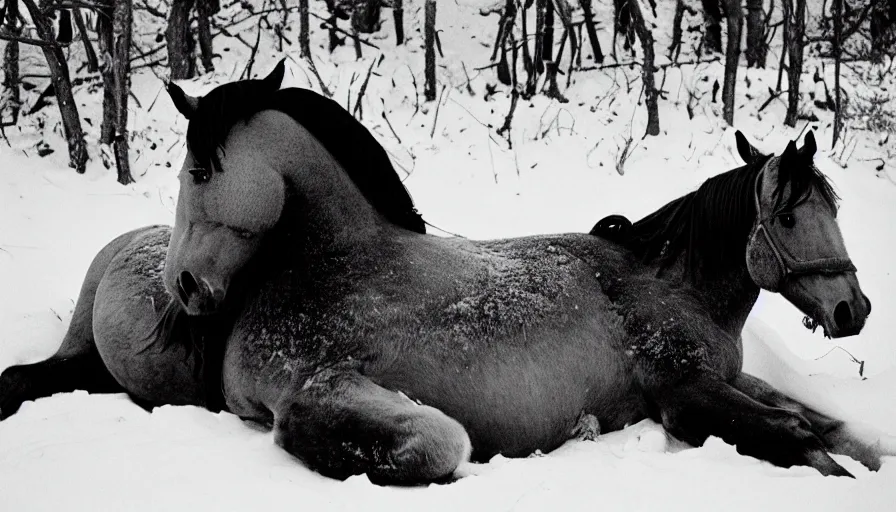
point(710, 226)
point(356, 150)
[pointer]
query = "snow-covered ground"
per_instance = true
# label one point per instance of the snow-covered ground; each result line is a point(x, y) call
point(102, 452)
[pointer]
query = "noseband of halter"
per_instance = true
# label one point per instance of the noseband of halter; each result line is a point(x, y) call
point(787, 265)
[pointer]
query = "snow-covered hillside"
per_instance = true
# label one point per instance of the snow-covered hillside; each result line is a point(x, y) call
point(102, 452)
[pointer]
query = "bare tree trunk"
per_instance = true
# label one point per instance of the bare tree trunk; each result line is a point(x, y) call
point(732, 57)
point(505, 32)
point(356, 39)
point(538, 58)
point(565, 13)
point(64, 32)
point(71, 121)
point(514, 92)
point(366, 16)
point(524, 43)
point(11, 63)
point(552, 68)
point(122, 20)
point(107, 50)
point(757, 50)
point(622, 24)
point(547, 42)
point(786, 9)
point(180, 41)
point(336, 13)
point(429, 33)
point(882, 20)
point(795, 58)
point(838, 32)
point(647, 70)
point(675, 47)
point(398, 19)
point(712, 23)
point(93, 64)
point(304, 30)
point(540, 7)
point(205, 9)
point(592, 31)
point(505, 24)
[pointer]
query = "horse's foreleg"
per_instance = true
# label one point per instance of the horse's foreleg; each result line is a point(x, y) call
point(342, 424)
point(699, 407)
point(862, 444)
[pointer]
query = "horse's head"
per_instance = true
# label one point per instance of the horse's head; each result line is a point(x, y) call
point(795, 246)
point(230, 194)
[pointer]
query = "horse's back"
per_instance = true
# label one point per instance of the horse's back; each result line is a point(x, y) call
point(129, 306)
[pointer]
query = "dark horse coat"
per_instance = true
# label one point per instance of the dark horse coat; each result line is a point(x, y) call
point(298, 281)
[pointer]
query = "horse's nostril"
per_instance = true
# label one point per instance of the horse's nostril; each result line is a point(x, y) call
point(843, 315)
point(867, 303)
point(188, 285)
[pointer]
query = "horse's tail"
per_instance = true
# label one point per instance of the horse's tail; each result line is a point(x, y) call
point(164, 329)
point(615, 228)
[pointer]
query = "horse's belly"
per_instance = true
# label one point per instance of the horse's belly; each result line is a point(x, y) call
point(130, 301)
point(515, 399)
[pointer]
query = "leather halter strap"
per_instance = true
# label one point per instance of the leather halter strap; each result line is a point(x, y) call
point(789, 265)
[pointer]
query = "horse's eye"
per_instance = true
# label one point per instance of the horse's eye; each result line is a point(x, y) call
point(200, 175)
point(787, 220)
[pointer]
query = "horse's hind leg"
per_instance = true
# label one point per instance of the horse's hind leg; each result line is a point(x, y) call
point(701, 406)
point(86, 371)
point(862, 444)
point(341, 424)
point(77, 363)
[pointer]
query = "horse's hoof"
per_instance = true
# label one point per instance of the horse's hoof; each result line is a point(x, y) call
point(827, 466)
point(12, 390)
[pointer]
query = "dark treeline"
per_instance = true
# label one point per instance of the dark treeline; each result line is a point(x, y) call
point(536, 44)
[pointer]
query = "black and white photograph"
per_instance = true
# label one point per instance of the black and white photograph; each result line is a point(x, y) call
point(448, 255)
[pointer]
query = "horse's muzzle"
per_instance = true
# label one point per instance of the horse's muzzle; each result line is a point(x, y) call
point(198, 297)
point(848, 317)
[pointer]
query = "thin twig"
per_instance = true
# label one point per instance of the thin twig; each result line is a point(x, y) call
point(386, 118)
point(29, 41)
point(343, 32)
point(489, 66)
point(854, 359)
point(248, 70)
point(438, 106)
point(469, 86)
point(658, 66)
point(358, 109)
point(773, 94)
point(416, 93)
point(320, 81)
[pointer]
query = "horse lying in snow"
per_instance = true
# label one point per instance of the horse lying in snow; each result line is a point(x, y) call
point(297, 288)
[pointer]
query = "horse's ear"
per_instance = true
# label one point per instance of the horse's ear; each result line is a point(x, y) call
point(746, 150)
point(809, 147)
point(184, 103)
point(273, 81)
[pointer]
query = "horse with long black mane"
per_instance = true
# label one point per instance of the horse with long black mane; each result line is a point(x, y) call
point(298, 268)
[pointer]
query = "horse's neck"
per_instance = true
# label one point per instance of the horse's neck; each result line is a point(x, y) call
point(728, 296)
point(327, 208)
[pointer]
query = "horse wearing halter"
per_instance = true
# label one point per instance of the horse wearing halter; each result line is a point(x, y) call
point(787, 265)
